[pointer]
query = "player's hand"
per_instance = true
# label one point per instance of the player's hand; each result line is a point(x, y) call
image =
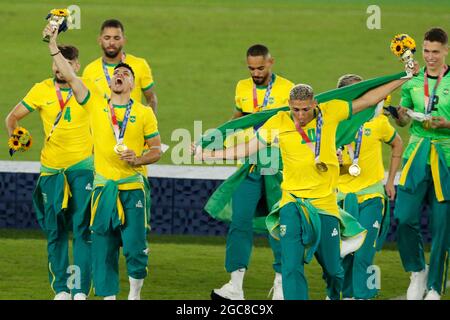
point(52, 32)
point(390, 190)
point(439, 122)
point(411, 70)
point(129, 156)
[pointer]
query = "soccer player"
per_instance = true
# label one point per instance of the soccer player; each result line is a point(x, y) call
point(363, 195)
point(62, 194)
point(120, 126)
point(310, 175)
point(112, 40)
point(262, 91)
point(426, 176)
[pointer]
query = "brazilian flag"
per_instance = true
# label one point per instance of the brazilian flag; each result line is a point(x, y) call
point(219, 204)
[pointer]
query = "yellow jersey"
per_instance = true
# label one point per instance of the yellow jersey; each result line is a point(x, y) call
point(300, 175)
point(374, 133)
point(142, 125)
point(279, 94)
point(279, 97)
point(142, 72)
point(71, 140)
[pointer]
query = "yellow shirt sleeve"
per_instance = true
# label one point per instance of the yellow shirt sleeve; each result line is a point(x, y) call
point(34, 99)
point(237, 99)
point(150, 124)
point(338, 110)
point(146, 81)
point(387, 131)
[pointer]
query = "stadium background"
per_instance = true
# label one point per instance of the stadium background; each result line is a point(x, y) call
point(197, 53)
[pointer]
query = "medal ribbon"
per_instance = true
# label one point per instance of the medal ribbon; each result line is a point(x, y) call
point(105, 68)
point(62, 105)
point(266, 96)
point(429, 101)
point(316, 149)
point(119, 133)
point(355, 155)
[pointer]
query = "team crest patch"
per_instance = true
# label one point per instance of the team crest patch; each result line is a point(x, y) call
point(446, 91)
point(133, 119)
point(367, 131)
point(271, 100)
point(282, 230)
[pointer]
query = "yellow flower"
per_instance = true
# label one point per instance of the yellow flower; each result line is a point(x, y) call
point(18, 131)
point(60, 12)
point(27, 145)
point(397, 47)
point(14, 143)
point(409, 43)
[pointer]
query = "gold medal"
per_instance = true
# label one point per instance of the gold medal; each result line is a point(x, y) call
point(119, 148)
point(426, 124)
point(322, 167)
point(354, 170)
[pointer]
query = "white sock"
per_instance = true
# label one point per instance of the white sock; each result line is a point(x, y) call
point(237, 278)
point(79, 296)
point(135, 288)
point(277, 277)
point(110, 298)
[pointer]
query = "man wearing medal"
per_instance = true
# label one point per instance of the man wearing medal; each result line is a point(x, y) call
point(362, 194)
point(426, 176)
point(252, 196)
point(305, 188)
point(120, 127)
point(112, 40)
point(62, 194)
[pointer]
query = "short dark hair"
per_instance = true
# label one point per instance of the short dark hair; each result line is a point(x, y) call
point(68, 52)
point(112, 23)
point(258, 50)
point(436, 34)
point(125, 65)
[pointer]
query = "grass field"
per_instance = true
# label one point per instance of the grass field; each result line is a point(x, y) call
point(197, 48)
point(180, 267)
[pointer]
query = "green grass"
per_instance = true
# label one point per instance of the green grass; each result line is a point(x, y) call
point(197, 48)
point(180, 267)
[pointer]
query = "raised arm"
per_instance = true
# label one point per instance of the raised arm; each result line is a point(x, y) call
point(374, 96)
point(238, 151)
point(79, 89)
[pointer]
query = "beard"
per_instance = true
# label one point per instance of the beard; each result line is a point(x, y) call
point(259, 81)
point(112, 54)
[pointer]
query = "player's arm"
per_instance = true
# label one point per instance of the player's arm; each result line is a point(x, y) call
point(151, 98)
point(79, 89)
point(396, 158)
point(440, 122)
point(153, 155)
point(13, 118)
point(374, 96)
point(238, 151)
